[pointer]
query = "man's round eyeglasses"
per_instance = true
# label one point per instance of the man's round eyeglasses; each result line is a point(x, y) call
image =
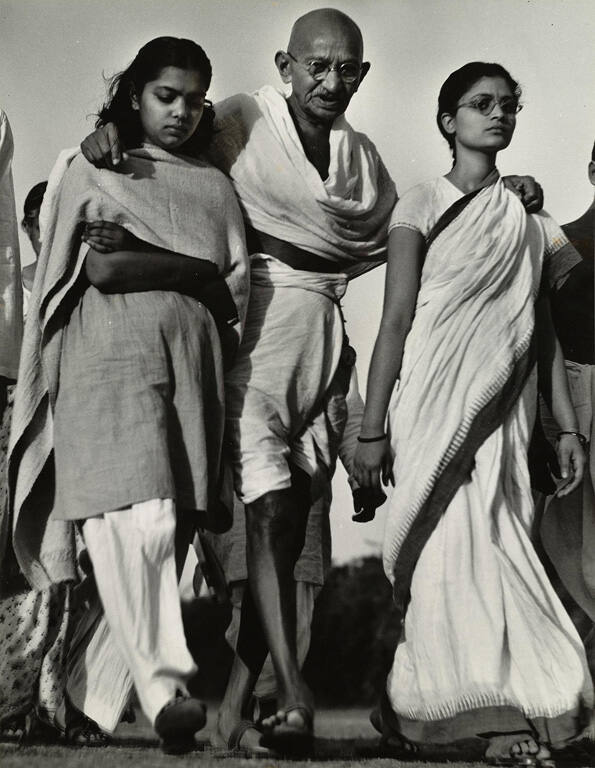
point(318, 69)
point(485, 104)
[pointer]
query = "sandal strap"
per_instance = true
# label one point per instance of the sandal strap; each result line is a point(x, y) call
point(86, 730)
point(235, 737)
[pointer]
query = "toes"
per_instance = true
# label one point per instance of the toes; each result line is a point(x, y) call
point(274, 720)
point(294, 718)
point(532, 747)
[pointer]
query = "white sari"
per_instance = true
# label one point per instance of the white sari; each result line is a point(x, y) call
point(486, 645)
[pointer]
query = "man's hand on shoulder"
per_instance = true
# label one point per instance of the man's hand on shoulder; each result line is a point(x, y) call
point(102, 148)
point(527, 189)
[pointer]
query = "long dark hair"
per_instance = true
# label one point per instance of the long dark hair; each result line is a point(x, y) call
point(459, 82)
point(149, 61)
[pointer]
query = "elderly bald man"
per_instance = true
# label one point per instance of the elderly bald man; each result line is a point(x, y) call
point(316, 199)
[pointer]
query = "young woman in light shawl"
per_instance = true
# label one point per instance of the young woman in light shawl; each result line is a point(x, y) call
point(486, 648)
point(119, 406)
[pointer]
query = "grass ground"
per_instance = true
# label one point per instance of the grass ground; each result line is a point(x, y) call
point(343, 738)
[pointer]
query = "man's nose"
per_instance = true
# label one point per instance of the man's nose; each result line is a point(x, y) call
point(332, 81)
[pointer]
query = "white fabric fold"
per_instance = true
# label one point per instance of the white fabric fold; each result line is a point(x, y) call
point(474, 319)
point(281, 193)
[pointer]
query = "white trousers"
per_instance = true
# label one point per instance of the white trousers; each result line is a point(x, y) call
point(133, 556)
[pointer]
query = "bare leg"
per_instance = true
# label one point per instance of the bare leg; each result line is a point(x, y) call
point(235, 709)
point(275, 531)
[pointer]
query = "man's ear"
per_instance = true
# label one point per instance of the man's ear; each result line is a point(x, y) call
point(283, 63)
point(592, 172)
point(134, 99)
point(448, 123)
point(365, 69)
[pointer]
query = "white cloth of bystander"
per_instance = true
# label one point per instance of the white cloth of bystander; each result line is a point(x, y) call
point(11, 292)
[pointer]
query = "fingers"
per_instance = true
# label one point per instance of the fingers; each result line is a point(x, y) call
point(572, 460)
point(530, 193)
point(92, 151)
point(528, 190)
point(105, 228)
point(387, 471)
point(105, 236)
point(98, 245)
point(564, 460)
point(367, 477)
point(114, 144)
point(102, 147)
point(365, 503)
point(363, 506)
point(575, 460)
point(533, 197)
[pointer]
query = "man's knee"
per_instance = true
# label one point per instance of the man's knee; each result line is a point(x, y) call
point(271, 515)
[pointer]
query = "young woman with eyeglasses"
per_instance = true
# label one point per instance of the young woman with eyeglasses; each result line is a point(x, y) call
point(486, 649)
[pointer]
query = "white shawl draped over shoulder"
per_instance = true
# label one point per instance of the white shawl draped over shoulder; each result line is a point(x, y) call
point(465, 363)
point(342, 218)
point(179, 204)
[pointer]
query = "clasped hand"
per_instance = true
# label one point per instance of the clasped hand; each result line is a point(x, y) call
point(107, 237)
point(571, 460)
point(372, 463)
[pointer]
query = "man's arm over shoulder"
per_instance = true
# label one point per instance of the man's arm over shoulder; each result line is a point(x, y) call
point(234, 118)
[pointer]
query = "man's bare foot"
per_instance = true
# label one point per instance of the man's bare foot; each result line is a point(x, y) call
point(239, 736)
point(516, 749)
point(290, 731)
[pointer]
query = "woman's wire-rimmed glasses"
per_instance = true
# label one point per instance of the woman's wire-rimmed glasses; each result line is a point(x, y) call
point(318, 69)
point(484, 103)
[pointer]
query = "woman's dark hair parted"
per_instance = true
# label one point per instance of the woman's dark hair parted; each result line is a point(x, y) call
point(152, 58)
point(460, 81)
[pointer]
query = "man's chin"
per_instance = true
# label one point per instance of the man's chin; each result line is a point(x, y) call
point(327, 113)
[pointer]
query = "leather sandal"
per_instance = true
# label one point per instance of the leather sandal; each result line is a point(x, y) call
point(234, 742)
point(292, 740)
point(178, 721)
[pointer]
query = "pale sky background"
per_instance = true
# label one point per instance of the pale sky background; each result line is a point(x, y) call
point(53, 54)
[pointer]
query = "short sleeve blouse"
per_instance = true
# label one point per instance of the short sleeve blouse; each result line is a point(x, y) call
point(422, 206)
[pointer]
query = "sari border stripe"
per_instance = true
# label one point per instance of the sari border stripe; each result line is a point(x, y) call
point(450, 215)
point(455, 471)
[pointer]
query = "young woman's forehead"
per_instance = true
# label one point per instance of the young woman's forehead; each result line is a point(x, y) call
point(489, 85)
point(177, 79)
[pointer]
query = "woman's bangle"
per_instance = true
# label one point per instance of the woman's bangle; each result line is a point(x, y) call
point(579, 436)
point(376, 439)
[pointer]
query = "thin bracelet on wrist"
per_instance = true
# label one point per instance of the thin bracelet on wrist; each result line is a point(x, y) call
point(579, 436)
point(375, 439)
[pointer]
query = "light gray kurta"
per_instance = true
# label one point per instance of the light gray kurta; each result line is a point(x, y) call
point(139, 411)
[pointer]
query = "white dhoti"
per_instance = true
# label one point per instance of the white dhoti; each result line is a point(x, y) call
point(277, 391)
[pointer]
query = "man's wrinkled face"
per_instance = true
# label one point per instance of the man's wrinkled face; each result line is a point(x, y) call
point(325, 99)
